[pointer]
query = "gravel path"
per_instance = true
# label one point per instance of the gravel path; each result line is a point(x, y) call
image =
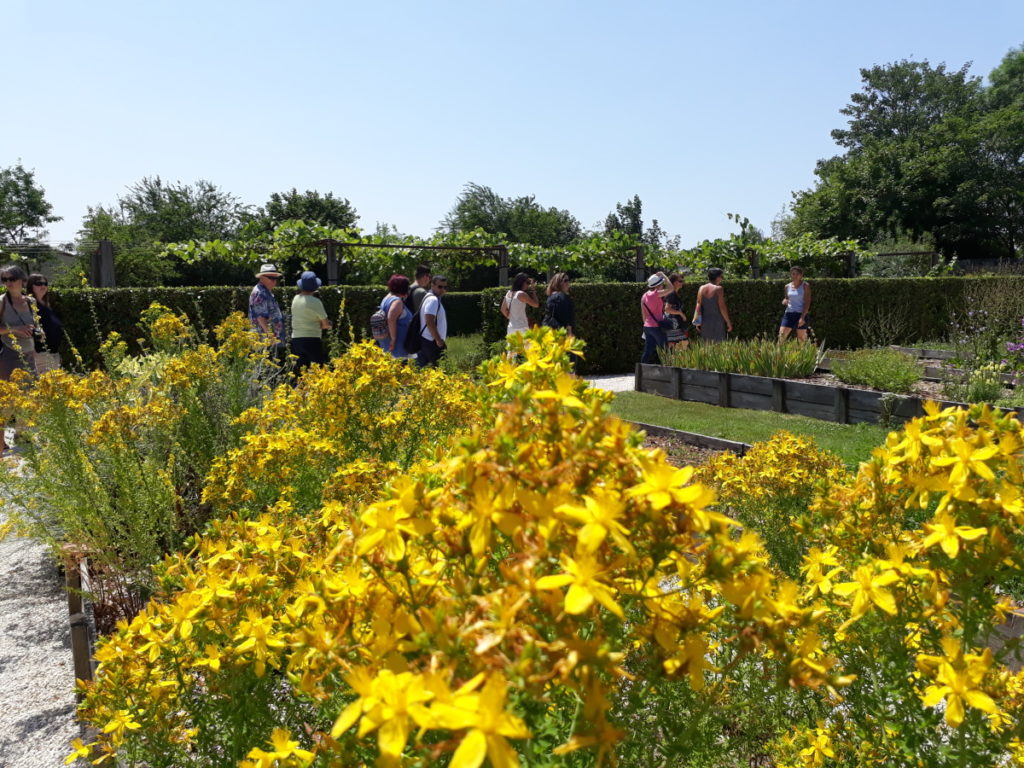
point(37, 717)
point(614, 382)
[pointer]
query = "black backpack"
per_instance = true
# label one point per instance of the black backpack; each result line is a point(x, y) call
point(413, 340)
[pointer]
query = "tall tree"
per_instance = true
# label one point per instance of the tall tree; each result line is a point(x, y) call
point(627, 218)
point(24, 209)
point(309, 206)
point(520, 219)
point(154, 212)
point(926, 155)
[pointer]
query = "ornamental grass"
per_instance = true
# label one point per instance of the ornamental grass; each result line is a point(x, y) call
point(757, 357)
point(534, 587)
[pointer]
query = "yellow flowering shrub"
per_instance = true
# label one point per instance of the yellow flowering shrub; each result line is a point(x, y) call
point(115, 458)
point(451, 617)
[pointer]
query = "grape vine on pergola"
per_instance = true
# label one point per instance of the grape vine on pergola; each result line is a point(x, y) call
point(499, 252)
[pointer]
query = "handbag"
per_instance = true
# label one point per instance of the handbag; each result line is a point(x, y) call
point(667, 323)
point(39, 337)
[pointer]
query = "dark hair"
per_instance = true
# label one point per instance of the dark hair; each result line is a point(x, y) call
point(795, 268)
point(519, 281)
point(714, 273)
point(422, 271)
point(399, 285)
point(13, 270)
point(438, 279)
point(36, 279)
point(675, 277)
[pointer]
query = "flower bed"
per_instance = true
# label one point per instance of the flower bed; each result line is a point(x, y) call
point(402, 568)
point(842, 404)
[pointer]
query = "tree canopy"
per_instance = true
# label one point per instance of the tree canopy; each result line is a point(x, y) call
point(519, 219)
point(929, 153)
point(310, 206)
point(24, 209)
point(154, 212)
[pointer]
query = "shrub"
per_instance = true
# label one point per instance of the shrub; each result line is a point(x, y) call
point(609, 320)
point(887, 370)
point(91, 314)
point(537, 587)
point(760, 357)
point(983, 384)
point(114, 461)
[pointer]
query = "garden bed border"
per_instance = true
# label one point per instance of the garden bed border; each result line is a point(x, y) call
point(843, 405)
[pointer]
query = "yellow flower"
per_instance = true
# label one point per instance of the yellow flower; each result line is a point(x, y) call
point(489, 726)
point(284, 750)
point(946, 533)
point(868, 588)
point(581, 574)
point(958, 683)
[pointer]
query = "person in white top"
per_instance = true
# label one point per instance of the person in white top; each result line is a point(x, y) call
point(433, 324)
point(514, 305)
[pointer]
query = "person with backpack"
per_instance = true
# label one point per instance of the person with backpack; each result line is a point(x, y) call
point(434, 324)
point(419, 289)
point(396, 315)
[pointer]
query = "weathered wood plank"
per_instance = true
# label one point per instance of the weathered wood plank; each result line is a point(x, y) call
point(825, 412)
point(755, 385)
point(816, 394)
point(699, 378)
point(752, 401)
point(694, 438)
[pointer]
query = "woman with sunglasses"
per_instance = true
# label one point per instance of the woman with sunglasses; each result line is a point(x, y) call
point(17, 323)
point(53, 326)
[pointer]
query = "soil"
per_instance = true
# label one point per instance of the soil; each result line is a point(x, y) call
point(924, 389)
point(680, 454)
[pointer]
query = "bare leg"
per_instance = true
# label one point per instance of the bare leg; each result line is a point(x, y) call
point(784, 332)
point(801, 334)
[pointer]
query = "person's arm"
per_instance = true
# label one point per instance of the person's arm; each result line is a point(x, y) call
point(505, 309)
point(807, 302)
point(431, 321)
point(696, 307)
point(394, 312)
point(528, 298)
point(723, 309)
point(785, 296)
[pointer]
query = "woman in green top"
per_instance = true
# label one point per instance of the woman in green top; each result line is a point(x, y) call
point(309, 319)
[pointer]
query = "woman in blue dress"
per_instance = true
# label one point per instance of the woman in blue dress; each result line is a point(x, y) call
point(399, 316)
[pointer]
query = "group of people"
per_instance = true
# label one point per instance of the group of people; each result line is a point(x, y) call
point(404, 301)
point(665, 323)
point(558, 309)
point(417, 324)
point(31, 331)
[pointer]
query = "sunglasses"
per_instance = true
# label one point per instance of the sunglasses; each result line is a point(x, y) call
point(445, 286)
point(41, 282)
point(275, 278)
point(9, 279)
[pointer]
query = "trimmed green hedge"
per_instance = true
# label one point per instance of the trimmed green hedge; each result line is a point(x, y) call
point(608, 314)
point(89, 314)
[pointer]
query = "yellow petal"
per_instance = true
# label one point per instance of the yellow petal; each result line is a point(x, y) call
point(578, 599)
point(553, 582)
point(347, 717)
point(471, 751)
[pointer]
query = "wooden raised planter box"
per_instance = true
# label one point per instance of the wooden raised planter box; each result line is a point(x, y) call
point(759, 393)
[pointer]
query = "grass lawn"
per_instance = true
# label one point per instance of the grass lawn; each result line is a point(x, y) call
point(852, 442)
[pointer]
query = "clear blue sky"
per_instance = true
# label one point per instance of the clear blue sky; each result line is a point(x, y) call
point(700, 108)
